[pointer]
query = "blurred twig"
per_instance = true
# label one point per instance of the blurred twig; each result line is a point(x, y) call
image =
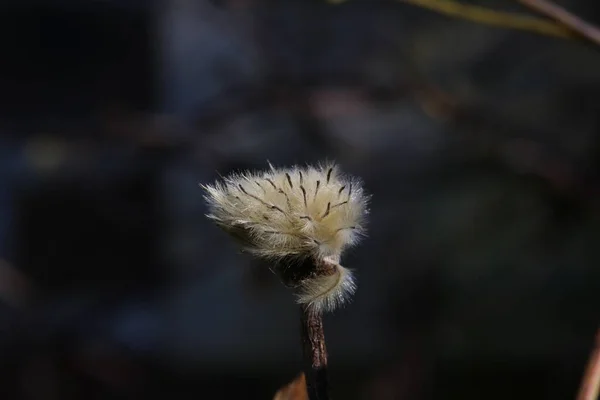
point(493, 17)
point(567, 26)
point(590, 387)
point(563, 16)
point(488, 16)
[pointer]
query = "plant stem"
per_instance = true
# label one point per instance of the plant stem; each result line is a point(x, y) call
point(315, 354)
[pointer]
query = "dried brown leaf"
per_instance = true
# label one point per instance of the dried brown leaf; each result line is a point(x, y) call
point(295, 390)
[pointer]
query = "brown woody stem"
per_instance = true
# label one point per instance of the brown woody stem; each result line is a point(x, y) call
point(311, 321)
point(315, 353)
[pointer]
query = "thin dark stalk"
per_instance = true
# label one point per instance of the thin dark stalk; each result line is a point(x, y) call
point(315, 354)
point(311, 327)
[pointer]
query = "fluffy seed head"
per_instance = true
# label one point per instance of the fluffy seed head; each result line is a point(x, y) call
point(299, 212)
point(326, 292)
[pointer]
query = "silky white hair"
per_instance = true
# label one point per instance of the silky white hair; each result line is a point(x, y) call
point(295, 213)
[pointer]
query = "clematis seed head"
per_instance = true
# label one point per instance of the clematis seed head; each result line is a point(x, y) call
point(295, 214)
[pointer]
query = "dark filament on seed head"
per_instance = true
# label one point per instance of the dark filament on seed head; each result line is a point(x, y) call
point(278, 209)
point(287, 199)
point(271, 182)
point(327, 211)
point(341, 190)
point(260, 186)
point(289, 180)
point(329, 174)
point(340, 204)
point(303, 194)
point(317, 189)
point(251, 195)
point(271, 206)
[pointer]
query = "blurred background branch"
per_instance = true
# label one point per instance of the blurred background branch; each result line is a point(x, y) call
point(488, 16)
point(483, 15)
point(566, 18)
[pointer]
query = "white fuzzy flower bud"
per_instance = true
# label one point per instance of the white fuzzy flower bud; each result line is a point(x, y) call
point(299, 213)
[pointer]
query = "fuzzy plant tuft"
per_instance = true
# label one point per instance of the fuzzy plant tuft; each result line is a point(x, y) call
point(301, 219)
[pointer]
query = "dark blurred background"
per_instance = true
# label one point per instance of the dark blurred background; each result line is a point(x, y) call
point(480, 145)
